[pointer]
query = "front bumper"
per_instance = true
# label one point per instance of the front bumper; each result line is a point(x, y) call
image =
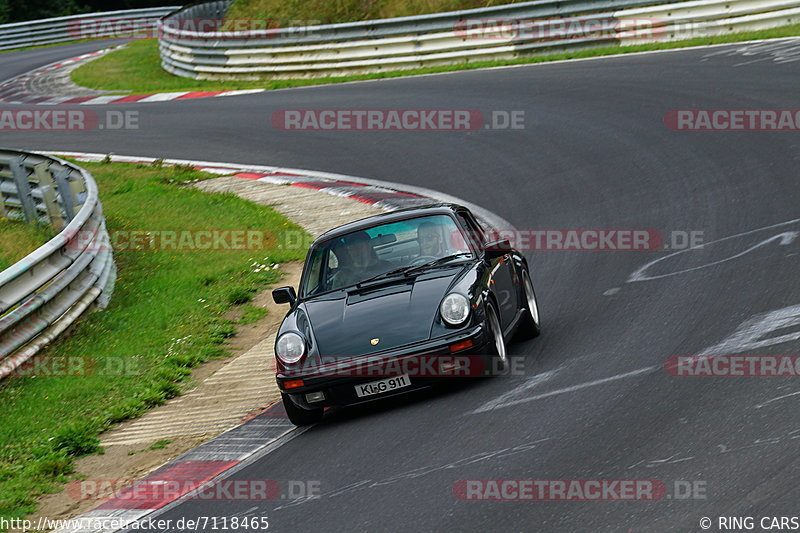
point(424, 363)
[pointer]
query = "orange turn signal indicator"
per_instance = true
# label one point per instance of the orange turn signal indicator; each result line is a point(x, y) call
point(463, 345)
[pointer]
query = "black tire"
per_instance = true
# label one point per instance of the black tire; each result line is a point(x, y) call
point(299, 416)
point(497, 343)
point(530, 323)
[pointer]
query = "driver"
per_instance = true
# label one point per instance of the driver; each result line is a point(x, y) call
point(362, 254)
point(360, 261)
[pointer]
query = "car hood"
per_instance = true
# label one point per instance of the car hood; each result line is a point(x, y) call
point(398, 313)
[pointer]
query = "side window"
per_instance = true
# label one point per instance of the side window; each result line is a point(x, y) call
point(333, 261)
point(315, 271)
point(473, 230)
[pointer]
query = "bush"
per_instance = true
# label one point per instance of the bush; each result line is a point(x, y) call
point(239, 296)
point(76, 439)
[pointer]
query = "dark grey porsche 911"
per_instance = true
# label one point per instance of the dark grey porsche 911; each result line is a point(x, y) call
point(395, 302)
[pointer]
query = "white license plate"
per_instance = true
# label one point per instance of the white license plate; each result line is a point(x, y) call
point(382, 385)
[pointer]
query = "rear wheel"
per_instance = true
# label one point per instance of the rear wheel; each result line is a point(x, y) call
point(529, 325)
point(299, 416)
point(497, 344)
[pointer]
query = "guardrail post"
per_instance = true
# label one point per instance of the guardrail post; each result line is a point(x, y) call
point(47, 186)
point(3, 210)
point(23, 189)
point(65, 191)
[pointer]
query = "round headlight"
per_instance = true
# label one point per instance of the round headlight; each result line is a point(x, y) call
point(290, 347)
point(454, 308)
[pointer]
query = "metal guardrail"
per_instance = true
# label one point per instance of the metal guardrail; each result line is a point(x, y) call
point(76, 27)
point(444, 38)
point(45, 292)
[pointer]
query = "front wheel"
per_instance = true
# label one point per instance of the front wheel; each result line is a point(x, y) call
point(299, 416)
point(529, 326)
point(497, 344)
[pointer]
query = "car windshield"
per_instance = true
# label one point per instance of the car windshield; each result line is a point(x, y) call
point(362, 255)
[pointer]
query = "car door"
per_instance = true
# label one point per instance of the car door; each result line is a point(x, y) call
point(504, 276)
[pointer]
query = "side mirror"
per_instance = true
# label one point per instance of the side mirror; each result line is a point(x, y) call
point(497, 249)
point(284, 295)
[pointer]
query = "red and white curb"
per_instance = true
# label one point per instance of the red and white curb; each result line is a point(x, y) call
point(18, 90)
point(120, 99)
point(380, 196)
point(189, 476)
point(383, 194)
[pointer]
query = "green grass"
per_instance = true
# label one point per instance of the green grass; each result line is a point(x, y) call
point(18, 240)
point(252, 314)
point(137, 68)
point(166, 316)
point(160, 444)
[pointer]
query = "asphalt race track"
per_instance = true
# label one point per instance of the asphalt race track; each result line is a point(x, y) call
point(595, 401)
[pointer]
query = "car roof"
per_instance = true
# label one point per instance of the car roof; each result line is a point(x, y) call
point(392, 216)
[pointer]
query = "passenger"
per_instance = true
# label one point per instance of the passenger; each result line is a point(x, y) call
point(431, 242)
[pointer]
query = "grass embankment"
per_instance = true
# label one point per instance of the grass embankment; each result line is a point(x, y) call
point(18, 240)
point(166, 316)
point(136, 69)
point(333, 11)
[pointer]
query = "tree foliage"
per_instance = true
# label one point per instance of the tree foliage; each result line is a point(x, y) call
point(21, 10)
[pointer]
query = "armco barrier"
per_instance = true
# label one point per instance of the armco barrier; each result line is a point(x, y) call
point(44, 293)
point(444, 38)
point(76, 27)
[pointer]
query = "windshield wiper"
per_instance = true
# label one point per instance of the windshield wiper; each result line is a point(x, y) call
point(409, 269)
point(437, 262)
point(389, 274)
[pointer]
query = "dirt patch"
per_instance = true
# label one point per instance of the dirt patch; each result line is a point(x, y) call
point(122, 465)
point(248, 335)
